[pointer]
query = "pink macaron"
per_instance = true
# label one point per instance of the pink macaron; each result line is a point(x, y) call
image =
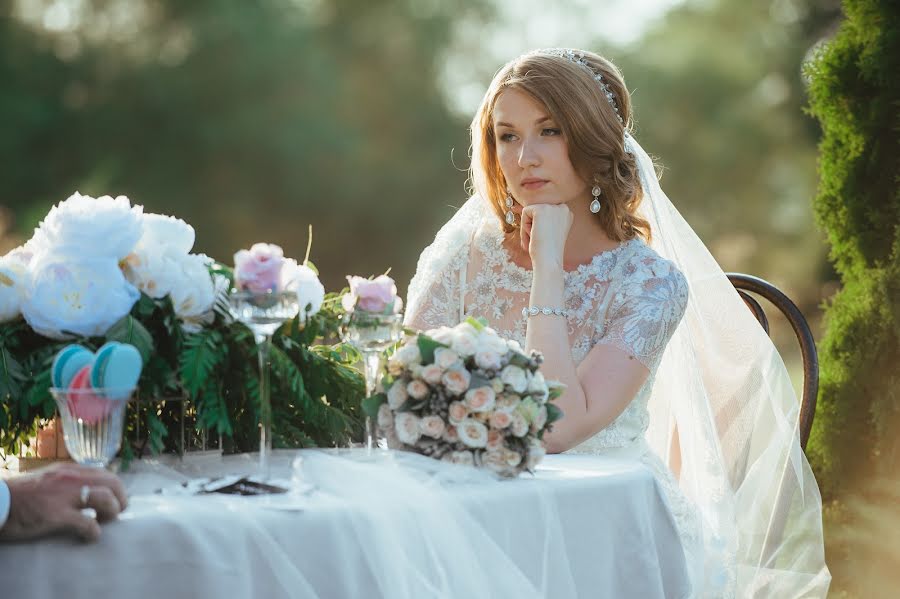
point(85, 405)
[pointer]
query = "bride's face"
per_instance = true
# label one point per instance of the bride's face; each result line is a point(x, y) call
point(532, 152)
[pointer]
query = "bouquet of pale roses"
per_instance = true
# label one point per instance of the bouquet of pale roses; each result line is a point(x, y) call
point(467, 396)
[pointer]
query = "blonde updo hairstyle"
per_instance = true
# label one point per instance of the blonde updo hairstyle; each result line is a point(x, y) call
point(590, 126)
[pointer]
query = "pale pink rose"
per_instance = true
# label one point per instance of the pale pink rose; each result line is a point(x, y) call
point(480, 399)
point(472, 433)
point(441, 335)
point(540, 419)
point(417, 389)
point(407, 355)
point(432, 374)
point(462, 458)
point(495, 439)
point(376, 295)
point(457, 381)
point(259, 268)
point(511, 458)
point(446, 358)
point(406, 426)
point(432, 426)
point(489, 340)
point(515, 378)
point(385, 417)
point(457, 412)
point(397, 394)
point(487, 360)
point(450, 434)
point(493, 461)
point(519, 425)
point(500, 419)
point(465, 340)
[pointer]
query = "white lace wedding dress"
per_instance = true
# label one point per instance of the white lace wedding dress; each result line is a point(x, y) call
point(628, 297)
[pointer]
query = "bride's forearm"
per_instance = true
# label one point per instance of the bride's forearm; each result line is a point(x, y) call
point(550, 336)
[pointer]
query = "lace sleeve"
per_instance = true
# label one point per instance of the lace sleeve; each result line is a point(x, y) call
point(646, 310)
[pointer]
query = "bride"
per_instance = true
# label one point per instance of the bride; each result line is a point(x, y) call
point(569, 246)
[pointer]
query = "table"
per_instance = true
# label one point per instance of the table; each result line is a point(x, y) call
point(582, 526)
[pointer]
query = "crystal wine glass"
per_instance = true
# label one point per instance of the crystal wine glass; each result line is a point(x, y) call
point(371, 334)
point(263, 313)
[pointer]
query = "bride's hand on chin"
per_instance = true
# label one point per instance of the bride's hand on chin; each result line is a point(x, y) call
point(543, 233)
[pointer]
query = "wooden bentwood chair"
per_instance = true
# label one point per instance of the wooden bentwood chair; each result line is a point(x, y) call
point(747, 284)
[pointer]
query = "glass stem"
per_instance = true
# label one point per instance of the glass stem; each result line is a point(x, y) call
point(264, 345)
point(373, 364)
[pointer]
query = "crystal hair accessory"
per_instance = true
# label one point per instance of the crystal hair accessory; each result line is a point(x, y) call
point(577, 57)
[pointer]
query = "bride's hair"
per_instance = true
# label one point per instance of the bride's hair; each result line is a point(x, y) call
point(592, 130)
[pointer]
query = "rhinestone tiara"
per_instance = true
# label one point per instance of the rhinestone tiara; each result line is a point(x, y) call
point(577, 57)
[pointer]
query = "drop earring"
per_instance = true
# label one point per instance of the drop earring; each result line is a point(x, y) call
point(595, 205)
point(510, 215)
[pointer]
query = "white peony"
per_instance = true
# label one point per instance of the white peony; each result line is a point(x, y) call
point(83, 296)
point(163, 234)
point(13, 276)
point(304, 281)
point(515, 378)
point(84, 228)
point(406, 425)
point(193, 292)
point(472, 433)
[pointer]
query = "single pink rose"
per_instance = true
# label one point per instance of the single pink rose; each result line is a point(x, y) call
point(372, 295)
point(259, 268)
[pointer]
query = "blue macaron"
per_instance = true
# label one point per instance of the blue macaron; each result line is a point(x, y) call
point(117, 366)
point(67, 363)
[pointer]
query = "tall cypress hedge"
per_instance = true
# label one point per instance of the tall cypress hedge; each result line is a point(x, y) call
point(855, 94)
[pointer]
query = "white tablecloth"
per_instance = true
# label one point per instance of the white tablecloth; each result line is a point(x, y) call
point(618, 535)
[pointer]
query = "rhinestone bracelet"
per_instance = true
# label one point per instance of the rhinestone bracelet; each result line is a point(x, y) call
point(534, 311)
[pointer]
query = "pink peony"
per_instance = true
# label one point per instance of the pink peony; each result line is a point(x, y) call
point(259, 268)
point(378, 295)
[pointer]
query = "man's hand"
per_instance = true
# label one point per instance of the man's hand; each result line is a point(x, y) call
point(51, 501)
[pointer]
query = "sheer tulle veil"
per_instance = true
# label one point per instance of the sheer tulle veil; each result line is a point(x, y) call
point(724, 414)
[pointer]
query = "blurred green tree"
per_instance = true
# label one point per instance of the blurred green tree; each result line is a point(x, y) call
point(249, 120)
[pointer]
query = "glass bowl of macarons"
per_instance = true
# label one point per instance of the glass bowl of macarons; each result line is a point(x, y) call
point(91, 390)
